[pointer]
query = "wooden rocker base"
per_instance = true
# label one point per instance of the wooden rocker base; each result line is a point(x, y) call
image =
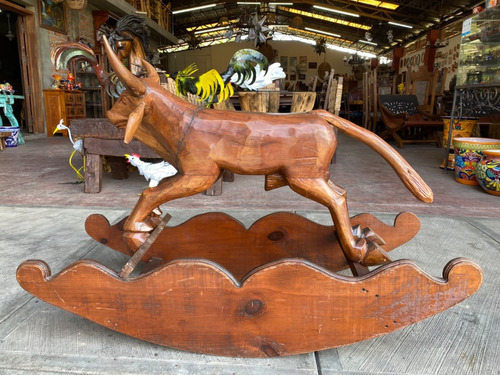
point(224, 240)
point(279, 307)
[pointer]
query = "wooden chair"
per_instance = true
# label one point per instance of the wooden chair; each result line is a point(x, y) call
point(355, 105)
point(406, 122)
point(427, 86)
point(303, 101)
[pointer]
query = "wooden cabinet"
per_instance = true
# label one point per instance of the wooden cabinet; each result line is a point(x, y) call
point(61, 104)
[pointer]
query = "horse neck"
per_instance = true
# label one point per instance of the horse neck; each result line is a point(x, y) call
point(175, 110)
point(138, 50)
point(137, 54)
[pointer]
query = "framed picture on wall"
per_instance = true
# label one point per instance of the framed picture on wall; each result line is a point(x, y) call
point(52, 15)
point(302, 63)
point(313, 65)
point(284, 63)
point(292, 64)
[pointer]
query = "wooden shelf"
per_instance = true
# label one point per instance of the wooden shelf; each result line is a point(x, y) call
point(65, 105)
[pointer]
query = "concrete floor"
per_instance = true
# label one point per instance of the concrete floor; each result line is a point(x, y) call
point(43, 211)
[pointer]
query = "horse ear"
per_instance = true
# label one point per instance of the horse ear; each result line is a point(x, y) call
point(134, 120)
point(133, 83)
point(150, 69)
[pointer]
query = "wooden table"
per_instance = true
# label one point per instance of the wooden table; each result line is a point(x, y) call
point(273, 101)
point(102, 138)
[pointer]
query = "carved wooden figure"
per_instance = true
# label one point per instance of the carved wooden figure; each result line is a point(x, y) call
point(271, 289)
point(292, 150)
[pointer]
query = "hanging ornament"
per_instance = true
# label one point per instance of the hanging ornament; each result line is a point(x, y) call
point(296, 21)
point(390, 36)
point(193, 42)
point(229, 34)
point(320, 46)
point(257, 31)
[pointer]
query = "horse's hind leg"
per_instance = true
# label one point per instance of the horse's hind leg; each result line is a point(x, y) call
point(333, 197)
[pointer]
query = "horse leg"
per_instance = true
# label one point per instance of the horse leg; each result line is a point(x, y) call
point(334, 197)
point(139, 223)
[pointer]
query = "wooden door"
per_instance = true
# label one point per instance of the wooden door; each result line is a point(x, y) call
point(27, 39)
point(32, 88)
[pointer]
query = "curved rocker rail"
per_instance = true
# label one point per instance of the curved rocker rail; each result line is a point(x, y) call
point(224, 240)
point(283, 308)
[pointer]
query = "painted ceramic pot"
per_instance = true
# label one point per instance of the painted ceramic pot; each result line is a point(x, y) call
point(460, 129)
point(488, 171)
point(468, 152)
point(12, 140)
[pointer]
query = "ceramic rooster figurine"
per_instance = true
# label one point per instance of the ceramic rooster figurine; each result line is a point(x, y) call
point(247, 68)
point(153, 173)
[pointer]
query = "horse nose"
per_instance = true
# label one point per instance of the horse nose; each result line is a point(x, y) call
point(113, 116)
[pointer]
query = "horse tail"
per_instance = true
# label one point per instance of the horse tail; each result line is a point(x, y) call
point(406, 173)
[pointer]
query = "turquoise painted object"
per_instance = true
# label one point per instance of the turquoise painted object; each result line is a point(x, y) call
point(6, 101)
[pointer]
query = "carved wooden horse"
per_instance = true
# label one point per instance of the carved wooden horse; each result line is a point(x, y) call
point(292, 150)
point(272, 289)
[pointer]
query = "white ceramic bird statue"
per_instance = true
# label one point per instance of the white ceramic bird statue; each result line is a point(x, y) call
point(77, 146)
point(152, 172)
point(263, 77)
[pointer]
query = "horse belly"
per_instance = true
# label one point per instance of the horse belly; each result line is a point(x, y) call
point(266, 155)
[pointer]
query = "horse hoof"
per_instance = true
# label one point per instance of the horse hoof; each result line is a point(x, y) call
point(375, 256)
point(139, 226)
point(153, 220)
point(135, 239)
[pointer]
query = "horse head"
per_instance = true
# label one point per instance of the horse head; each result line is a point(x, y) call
point(131, 107)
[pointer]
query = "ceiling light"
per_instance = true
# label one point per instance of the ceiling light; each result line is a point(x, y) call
point(336, 11)
point(323, 32)
point(277, 26)
point(290, 4)
point(248, 2)
point(378, 4)
point(326, 18)
point(210, 25)
point(193, 9)
point(211, 30)
point(400, 24)
point(367, 42)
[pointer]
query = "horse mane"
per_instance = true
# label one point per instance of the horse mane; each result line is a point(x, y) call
point(131, 25)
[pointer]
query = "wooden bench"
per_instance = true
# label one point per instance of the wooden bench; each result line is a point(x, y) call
point(102, 138)
point(406, 123)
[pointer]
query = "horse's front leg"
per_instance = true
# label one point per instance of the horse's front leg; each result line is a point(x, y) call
point(139, 223)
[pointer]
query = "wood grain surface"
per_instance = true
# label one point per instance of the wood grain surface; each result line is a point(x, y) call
point(284, 308)
point(224, 240)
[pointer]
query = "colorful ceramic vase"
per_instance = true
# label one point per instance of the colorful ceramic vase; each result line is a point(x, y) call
point(468, 152)
point(488, 171)
point(462, 128)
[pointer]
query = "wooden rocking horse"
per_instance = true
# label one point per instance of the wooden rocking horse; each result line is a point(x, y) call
point(213, 286)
